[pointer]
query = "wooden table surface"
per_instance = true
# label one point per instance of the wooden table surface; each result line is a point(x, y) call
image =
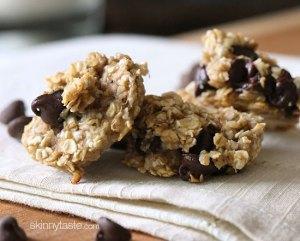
point(278, 32)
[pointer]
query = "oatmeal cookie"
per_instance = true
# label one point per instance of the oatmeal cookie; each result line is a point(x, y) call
point(84, 111)
point(233, 72)
point(172, 137)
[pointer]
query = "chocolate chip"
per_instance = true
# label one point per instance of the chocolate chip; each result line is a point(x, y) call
point(270, 89)
point(136, 144)
point(12, 111)
point(238, 74)
point(120, 145)
point(201, 80)
point(287, 90)
point(190, 165)
point(111, 231)
point(197, 74)
point(205, 140)
point(243, 74)
point(245, 51)
point(155, 145)
point(281, 93)
point(49, 108)
point(10, 230)
point(15, 128)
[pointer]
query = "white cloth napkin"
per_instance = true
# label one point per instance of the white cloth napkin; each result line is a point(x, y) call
point(260, 203)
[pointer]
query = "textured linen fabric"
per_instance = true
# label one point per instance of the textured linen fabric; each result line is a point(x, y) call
point(260, 203)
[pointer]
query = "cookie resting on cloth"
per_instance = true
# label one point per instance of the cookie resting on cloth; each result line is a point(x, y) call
point(173, 137)
point(233, 72)
point(84, 111)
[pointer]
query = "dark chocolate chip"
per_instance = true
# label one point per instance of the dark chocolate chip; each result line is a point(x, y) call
point(253, 75)
point(238, 74)
point(137, 145)
point(49, 108)
point(201, 80)
point(10, 230)
point(245, 51)
point(120, 145)
point(205, 140)
point(243, 74)
point(270, 89)
point(12, 111)
point(287, 90)
point(111, 231)
point(155, 144)
point(282, 93)
point(190, 165)
point(197, 74)
point(15, 128)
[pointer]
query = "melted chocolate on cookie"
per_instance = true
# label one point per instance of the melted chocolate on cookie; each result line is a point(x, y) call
point(49, 108)
point(245, 51)
point(243, 75)
point(198, 75)
point(281, 93)
point(190, 164)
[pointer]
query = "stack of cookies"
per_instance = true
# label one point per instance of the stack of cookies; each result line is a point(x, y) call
point(213, 125)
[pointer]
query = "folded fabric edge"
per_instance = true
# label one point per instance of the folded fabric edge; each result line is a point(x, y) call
point(233, 214)
point(193, 219)
point(152, 227)
point(232, 231)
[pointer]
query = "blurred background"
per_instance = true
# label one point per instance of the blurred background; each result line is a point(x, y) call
point(28, 22)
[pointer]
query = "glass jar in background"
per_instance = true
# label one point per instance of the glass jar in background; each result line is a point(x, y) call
point(28, 22)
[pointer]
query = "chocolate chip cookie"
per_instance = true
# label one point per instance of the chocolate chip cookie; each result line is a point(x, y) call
point(173, 137)
point(84, 111)
point(233, 72)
